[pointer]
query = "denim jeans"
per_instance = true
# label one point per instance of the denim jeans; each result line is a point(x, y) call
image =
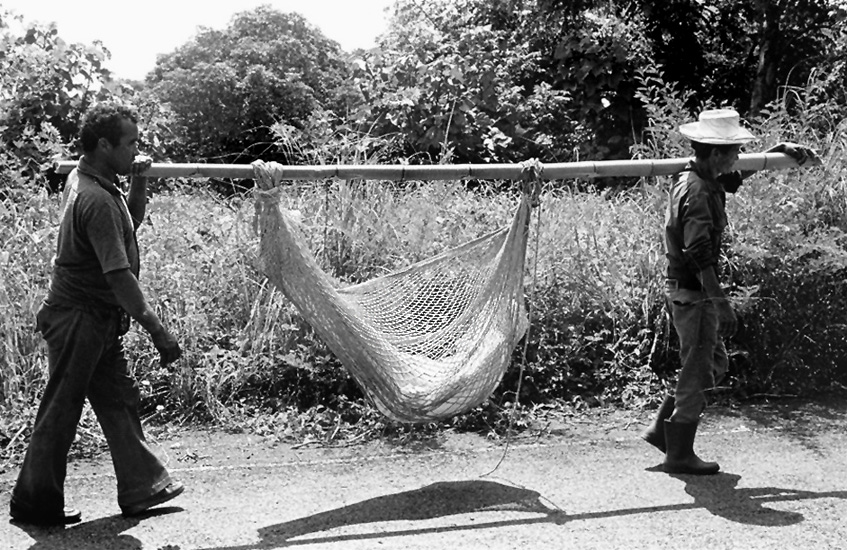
point(86, 359)
point(701, 351)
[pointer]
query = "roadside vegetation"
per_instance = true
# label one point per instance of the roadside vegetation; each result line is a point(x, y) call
point(599, 335)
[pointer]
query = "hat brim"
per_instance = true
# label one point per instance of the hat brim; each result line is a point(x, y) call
point(694, 132)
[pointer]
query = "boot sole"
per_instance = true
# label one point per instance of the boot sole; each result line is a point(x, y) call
point(691, 471)
point(68, 517)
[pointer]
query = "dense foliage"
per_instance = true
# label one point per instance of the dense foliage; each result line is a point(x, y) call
point(509, 79)
point(450, 82)
point(265, 68)
point(458, 81)
point(45, 86)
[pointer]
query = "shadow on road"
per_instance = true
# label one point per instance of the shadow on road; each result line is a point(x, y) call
point(99, 534)
point(717, 494)
point(720, 495)
point(433, 501)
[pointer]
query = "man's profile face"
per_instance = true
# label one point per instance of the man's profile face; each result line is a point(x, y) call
point(725, 161)
point(122, 154)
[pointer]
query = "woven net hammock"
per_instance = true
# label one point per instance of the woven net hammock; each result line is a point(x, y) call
point(424, 343)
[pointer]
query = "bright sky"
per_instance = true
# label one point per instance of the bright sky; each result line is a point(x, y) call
point(135, 32)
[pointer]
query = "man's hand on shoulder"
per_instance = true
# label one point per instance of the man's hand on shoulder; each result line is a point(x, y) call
point(800, 153)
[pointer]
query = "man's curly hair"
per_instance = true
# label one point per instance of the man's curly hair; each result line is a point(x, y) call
point(103, 120)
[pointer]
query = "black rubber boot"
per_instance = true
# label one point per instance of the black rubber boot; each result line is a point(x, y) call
point(680, 457)
point(655, 433)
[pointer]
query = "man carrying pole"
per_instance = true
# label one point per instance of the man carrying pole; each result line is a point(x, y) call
point(93, 292)
point(699, 309)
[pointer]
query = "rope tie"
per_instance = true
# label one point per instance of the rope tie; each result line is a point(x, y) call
point(531, 171)
point(531, 186)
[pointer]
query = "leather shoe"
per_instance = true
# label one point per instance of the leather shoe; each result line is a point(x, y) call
point(68, 516)
point(174, 489)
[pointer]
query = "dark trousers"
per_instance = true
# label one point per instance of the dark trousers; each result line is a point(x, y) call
point(701, 351)
point(86, 359)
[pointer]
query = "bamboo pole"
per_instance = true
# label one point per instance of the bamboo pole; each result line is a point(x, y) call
point(400, 172)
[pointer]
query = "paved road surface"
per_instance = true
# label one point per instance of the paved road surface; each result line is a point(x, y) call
point(590, 483)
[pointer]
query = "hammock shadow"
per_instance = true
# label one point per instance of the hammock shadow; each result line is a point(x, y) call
point(433, 501)
point(716, 494)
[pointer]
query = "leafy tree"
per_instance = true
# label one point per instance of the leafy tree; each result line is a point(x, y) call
point(721, 51)
point(506, 79)
point(597, 54)
point(738, 53)
point(455, 81)
point(225, 89)
point(45, 86)
point(829, 91)
point(791, 38)
point(490, 81)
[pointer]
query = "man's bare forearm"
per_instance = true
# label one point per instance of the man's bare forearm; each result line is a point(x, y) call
point(137, 199)
point(128, 292)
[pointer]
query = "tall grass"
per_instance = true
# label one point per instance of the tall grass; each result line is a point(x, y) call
point(27, 234)
point(598, 305)
point(594, 273)
point(788, 258)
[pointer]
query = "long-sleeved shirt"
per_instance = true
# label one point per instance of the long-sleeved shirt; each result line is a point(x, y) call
point(694, 224)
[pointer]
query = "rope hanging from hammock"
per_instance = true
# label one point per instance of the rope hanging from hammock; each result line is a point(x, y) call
point(424, 343)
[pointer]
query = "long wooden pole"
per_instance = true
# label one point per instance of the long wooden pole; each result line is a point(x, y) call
point(399, 172)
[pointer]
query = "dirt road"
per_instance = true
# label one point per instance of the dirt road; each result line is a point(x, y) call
point(590, 483)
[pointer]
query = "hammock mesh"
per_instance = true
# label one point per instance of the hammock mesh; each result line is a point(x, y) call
point(425, 343)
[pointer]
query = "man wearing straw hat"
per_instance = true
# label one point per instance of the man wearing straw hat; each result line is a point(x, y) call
point(699, 309)
point(93, 291)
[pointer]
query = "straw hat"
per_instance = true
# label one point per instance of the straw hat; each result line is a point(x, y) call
point(717, 126)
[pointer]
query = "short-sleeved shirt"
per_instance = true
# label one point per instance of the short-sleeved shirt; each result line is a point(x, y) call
point(694, 224)
point(96, 237)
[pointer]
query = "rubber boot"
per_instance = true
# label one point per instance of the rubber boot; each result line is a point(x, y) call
point(680, 457)
point(655, 433)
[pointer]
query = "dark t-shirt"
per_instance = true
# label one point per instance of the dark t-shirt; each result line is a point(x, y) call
point(96, 236)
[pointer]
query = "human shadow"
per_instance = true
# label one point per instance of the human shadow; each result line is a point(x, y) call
point(721, 496)
point(100, 534)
